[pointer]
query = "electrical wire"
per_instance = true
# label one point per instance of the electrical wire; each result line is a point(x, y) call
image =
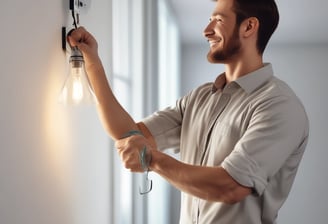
point(75, 27)
point(74, 19)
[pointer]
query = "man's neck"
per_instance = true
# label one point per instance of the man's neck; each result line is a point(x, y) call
point(238, 68)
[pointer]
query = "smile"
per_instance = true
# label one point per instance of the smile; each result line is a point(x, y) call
point(214, 42)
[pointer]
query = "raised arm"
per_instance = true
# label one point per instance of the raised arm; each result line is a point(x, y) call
point(114, 118)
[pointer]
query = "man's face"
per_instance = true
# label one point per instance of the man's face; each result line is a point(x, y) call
point(222, 33)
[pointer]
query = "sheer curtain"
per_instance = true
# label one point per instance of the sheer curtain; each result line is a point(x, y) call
point(145, 78)
point(125, 15)
point(165, 200)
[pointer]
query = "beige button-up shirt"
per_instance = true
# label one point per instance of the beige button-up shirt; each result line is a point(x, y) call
point(255, 128)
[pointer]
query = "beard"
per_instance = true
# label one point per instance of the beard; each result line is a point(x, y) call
point(226, 53)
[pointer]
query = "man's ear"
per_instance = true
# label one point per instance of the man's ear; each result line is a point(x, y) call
point(250, 26)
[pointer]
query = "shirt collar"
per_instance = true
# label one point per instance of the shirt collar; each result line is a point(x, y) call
point(219, 83)
point(254, 80)
point(248, 82)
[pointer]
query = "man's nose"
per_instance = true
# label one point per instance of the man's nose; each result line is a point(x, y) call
point(209, 30)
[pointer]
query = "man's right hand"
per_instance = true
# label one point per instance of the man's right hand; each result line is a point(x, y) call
point(81, 38)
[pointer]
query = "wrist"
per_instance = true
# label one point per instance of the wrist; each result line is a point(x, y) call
point(93, 64)
point(156, 157)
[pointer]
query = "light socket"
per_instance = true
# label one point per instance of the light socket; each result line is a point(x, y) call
point(79, 5)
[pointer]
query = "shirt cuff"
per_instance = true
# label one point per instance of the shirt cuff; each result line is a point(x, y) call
point(245, 171)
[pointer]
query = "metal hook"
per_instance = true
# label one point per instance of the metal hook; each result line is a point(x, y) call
point(149, 183)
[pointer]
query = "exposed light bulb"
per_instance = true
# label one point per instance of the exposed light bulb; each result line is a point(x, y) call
point(77, 89)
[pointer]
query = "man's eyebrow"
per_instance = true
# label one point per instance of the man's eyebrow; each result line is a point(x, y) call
point(219, 14)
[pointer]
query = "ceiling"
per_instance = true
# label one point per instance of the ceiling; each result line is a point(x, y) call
point(301, 21)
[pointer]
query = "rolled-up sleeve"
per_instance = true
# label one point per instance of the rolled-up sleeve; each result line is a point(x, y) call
point(277, 132)
point(165, 125)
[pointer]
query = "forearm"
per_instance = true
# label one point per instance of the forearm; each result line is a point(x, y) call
point(114, 118)
point(208, 183)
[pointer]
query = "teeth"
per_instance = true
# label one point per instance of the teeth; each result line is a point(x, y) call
point(213, 42)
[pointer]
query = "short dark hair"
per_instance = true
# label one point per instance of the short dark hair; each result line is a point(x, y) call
point(266, 11)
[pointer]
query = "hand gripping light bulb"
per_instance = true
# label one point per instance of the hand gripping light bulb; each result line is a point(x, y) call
point(77, 89)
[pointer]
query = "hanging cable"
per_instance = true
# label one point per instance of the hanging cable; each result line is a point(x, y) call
point(74, 19)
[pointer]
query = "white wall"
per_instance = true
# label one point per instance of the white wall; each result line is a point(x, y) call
point(195, 69)
point(304, 68)
point(54, 159)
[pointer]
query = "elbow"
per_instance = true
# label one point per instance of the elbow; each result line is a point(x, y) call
point(236, 196)
point(232, 200)
point(230, 197)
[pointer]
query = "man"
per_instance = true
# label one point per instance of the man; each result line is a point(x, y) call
point(241, 138)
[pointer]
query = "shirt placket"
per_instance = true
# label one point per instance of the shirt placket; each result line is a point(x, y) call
point(221, 105)
point(195, 213)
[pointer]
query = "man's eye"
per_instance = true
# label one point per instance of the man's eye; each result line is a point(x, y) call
point(215, 19)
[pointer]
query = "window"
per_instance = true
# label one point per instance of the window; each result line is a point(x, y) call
point(122, 83)
point(168, 56)
point(145, 77)
point(163, 209)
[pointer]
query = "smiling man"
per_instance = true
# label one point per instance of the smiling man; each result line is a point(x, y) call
point(241, 138)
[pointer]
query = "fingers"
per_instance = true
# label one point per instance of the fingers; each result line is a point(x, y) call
point(131, 151)
point(81, 38)
point(74, 36)
point(130, 160)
